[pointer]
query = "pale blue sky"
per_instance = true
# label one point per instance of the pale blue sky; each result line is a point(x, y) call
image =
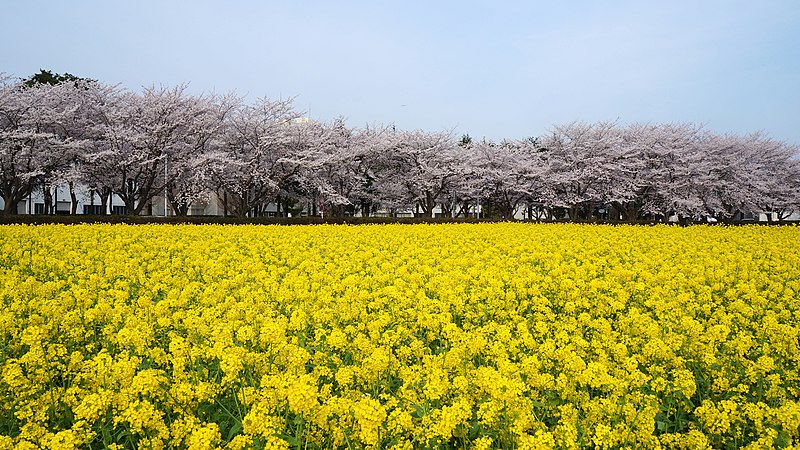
point(488, 68)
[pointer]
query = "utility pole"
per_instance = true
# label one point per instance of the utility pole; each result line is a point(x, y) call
point(166, 161)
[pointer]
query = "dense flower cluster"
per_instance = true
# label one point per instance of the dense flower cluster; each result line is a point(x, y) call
point(391, 336)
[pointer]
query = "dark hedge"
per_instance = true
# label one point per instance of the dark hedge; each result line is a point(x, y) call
point(200, 220)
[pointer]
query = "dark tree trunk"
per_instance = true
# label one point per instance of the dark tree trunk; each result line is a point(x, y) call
point(107, 199)
point(48, 198)
point(130, 205)
point(12, 195)
point(104, 203)
point(445, 209)
point(427, 205)
point(178, 208)
point(73, 198)
point(366, 208)
point(631, 214)
point(465, 209)
point(573, 212)
point(10, 206)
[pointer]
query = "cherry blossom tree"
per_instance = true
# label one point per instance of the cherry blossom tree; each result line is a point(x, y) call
point(502, 175)
point(682, 172)
point(758, 174)
point(187, 169)
point(332, 167)
point(578, 165)
point(423, 166)
point(33, 148)
point(368, 146)
point(360, 171)
point(79, 97)
point(137, 137)
point(251, 168)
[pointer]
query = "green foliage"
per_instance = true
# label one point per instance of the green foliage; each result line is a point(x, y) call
point(48, 77)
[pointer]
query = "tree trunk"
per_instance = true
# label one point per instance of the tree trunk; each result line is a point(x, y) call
point(631, 214)
point(287, 207)
point(243, 207)
point(445, 209)
point(11, 197)
point(573, 212)
point(108, 201)
point(224, 203)
point(48, 199)
point(73, 209)
point(428, 205)
point(130, 206)
point(466, 207)
point(104, 203)
point(138, 208)
point(9, 206)
point(179, 208)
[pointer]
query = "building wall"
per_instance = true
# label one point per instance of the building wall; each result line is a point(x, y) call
point(86, 203)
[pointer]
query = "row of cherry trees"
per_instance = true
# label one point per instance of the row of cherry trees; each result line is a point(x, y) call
point(139, 145)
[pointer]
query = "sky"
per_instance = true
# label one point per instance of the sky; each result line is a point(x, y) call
point(494, 69)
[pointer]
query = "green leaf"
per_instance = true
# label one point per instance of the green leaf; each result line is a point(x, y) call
point(235, 429)
point(419, 412)
point(292, 440)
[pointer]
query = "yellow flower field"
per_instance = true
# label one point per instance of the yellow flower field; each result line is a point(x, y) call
point(399, 336)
